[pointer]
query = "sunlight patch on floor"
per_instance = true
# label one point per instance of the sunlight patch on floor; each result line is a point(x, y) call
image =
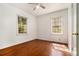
point(60, 47)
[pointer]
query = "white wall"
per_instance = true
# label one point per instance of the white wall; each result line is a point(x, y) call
point(44, 27)
point(38, 27)
point(8, 26)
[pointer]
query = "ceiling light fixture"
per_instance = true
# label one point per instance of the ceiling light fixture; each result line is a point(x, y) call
point(38, 5)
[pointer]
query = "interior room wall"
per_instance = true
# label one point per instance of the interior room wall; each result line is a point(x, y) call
point(8, 26)
point(44, 27)
point(38, 27)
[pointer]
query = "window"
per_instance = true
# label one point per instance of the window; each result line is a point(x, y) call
point(57, 27)
point(22, 24)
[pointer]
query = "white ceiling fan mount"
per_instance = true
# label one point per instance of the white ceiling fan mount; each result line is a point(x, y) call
point(37, 6)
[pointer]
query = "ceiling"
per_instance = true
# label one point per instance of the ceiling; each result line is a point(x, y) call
point(50, 7)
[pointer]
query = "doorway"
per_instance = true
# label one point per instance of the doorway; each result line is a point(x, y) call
point(72, 29)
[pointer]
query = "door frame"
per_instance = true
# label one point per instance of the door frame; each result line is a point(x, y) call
point(72, 18)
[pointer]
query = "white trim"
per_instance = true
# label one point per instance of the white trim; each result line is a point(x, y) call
point(74, 29)
point(70, 28)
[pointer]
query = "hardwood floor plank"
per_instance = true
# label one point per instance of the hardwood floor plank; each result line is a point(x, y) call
point(33, 48)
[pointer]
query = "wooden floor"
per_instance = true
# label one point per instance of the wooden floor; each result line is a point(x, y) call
point(34, 48)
